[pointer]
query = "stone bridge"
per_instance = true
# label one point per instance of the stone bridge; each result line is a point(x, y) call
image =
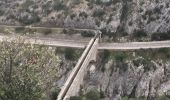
point(74, 81)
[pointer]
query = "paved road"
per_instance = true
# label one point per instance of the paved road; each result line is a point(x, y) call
point(83, 44)
point(46, 41)
point(135, 45)
point(39, 27)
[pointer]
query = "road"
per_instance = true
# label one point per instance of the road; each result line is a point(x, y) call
point(45, 41)
point(40, 27)
point(83, 44)
point(134, 45)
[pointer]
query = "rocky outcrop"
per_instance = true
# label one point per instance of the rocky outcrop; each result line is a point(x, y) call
point(135, 81)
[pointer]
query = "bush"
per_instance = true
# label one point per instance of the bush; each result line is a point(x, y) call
point(162, 98)
point(98, 13)
point(27, 21)
point(72, 16)
point(120, 56)
point(47, 31)
point(76, 2)
point(87, 34)
point(93, 95)
point(160, 36)
point(83, 14)
point(70, 54)
point(1, 12)
point(59, 5)
point(148, 65)
point(55, 94)
point(106, 54)
point(165, 52)
point(139, 34)
point(19, 29)
point(76, 98)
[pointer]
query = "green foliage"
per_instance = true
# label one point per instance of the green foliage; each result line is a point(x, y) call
point(59, 5)
point(106, 54)
point(139, 34)
point(164, 52)
point(160, 36)
point(124, 98)
point(70, 54)
point(83, 14)
point(76, 2)
point(148, 65)
point(162, 98)
point(27, 21)
point(98, 13)
point(19, 29)
point(102, 95)
point(72, 16)
point(87, 34)
point(25, 71)
point(1, 12)
point(55, 94)
point(120, 56)
point(27, 3)
point(93, 95)
point(47, 31)
point(76, 98)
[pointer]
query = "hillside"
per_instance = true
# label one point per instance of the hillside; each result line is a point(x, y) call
point(123, 16)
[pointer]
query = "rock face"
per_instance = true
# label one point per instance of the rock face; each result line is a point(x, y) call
point(114, 15)
point(135, 81)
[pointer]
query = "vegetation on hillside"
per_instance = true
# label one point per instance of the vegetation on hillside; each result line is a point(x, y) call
point(27, 72)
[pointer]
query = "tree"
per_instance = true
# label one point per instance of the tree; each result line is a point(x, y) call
point(26, 71)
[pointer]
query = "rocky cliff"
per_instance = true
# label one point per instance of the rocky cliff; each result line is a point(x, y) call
point(138, 77)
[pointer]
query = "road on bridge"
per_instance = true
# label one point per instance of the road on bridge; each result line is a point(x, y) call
point(83, 44)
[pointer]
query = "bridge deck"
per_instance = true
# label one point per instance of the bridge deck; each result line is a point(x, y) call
point(83, 44)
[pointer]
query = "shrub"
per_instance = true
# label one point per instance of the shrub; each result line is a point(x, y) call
point(59, 5)
point(160, 36)
point(72, 16)
point(139, 34)
point(83, 14)
point(120, 56)
point(47, 31)
point(70, 54)
point(148, 65)
point(76, 2)
point(162, 98)
point(55, 94)
point(19, 29)
point(98, 13)
point(76, 98)
point(1, 12)
point(106, 54)
point(87, 34)
point(27, 21)
point(165, 52)
point(102, 95)
point(27, 3)
point(93, 95)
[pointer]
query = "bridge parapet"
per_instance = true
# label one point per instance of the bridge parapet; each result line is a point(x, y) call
point(74, 81)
